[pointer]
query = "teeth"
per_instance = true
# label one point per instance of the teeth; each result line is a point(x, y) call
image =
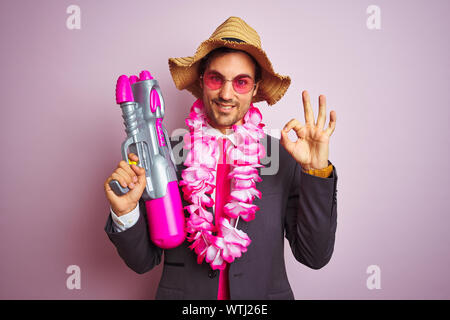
point(225, 107)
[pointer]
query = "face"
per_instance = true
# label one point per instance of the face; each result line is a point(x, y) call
point(225, 106)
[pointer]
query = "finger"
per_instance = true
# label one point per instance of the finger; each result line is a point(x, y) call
point(140, 172)
point(133, 157)
point(301, 132)
point(110, 194)
point(291, 124)
point(125, 166)
point(119, 178)
point(332, 125)
point(295, 125)
point(322, 117)
point(106, 184)
point(309, 114)
point(125, 177)
point(286, 142)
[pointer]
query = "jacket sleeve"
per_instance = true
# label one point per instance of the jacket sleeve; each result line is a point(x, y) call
point(134, 245)
point(311, 217)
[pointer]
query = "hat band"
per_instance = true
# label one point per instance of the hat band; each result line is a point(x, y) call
point(233, 40)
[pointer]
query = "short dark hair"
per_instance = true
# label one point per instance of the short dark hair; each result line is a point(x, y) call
point(206, 60)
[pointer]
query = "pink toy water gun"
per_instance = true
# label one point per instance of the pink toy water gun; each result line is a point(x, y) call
point(142, 107)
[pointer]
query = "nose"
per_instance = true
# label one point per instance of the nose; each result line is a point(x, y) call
point(227, 91)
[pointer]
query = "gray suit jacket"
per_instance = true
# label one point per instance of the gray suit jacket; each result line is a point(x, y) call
point(294, 204)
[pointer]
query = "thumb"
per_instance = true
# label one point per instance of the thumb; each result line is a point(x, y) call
point(140, 172)
point(140, 185)
point(285, 141)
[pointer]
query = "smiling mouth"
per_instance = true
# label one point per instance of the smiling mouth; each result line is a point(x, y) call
point(224, 107)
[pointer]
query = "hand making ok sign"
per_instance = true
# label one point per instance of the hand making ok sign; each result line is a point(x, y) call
point(311, 148)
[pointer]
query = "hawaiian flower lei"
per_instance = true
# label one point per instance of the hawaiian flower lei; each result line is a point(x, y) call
point(222, 242)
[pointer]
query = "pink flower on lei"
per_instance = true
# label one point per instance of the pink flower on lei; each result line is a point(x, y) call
point(231, 241)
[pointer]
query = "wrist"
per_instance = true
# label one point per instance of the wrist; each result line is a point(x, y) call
point(124, 211)
point(308, 167)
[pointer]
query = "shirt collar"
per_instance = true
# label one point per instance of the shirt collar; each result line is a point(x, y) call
point(215, 132)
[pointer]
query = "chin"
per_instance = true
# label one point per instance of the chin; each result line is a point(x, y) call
point(221, 119)
point(225, 123)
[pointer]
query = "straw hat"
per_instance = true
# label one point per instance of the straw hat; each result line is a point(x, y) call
point(233, 33)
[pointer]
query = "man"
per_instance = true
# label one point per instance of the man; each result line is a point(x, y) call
point(236, 219)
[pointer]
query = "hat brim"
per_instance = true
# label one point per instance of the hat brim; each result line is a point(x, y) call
point(185, 75)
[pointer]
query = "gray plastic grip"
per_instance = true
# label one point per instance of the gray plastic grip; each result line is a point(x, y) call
point(117, 188)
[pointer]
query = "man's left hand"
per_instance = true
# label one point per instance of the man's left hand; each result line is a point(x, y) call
point(311, 148)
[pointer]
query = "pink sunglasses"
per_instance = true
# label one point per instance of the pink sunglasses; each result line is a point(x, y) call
point(242, 83)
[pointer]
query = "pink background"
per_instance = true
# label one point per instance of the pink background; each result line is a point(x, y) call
point(61, 133)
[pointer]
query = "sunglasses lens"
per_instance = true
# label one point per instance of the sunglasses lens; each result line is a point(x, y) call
point(242, 84)
point(213, 81)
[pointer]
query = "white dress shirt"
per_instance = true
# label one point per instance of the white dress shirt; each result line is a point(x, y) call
point(128, 220)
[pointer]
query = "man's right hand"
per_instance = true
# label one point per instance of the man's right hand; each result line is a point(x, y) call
point(130, 176)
